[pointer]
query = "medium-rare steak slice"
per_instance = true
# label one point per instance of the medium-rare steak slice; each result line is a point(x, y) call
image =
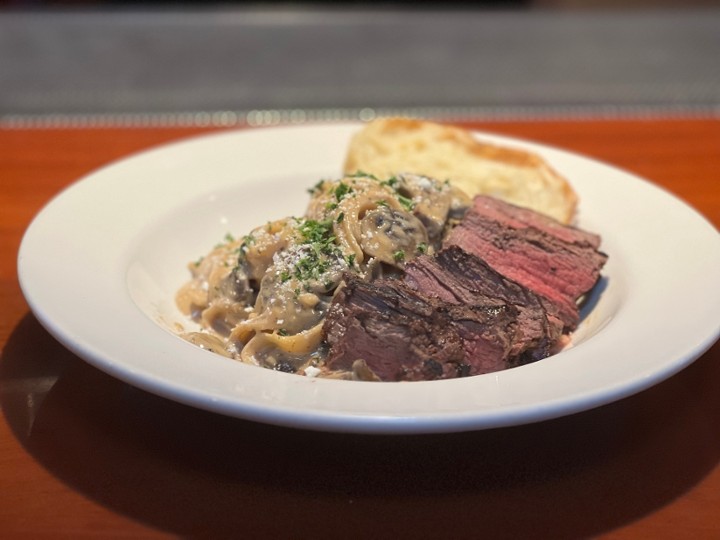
point(459, 277)
point(403, 335)
point(520, 218)
point(557, 270)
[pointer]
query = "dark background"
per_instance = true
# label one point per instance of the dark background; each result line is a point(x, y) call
point(137, 63)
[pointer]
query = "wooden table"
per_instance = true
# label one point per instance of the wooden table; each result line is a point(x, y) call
point(84, 455)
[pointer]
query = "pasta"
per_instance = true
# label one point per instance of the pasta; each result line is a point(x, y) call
point(262, 298)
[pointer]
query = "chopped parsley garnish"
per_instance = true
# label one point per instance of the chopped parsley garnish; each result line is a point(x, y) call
point(407, 203)
point(342, 190)
point(227, 239)
point(321, 249)
point(317, 187)
point(316, 232)
point(422, 247)
point(361, 174)
point(311, 266)
point(247, 241)
point(390, 182)
point(340, 217)
point(399, 256)
point(394, 183)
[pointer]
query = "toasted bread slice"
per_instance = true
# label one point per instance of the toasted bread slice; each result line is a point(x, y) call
point(389, 146)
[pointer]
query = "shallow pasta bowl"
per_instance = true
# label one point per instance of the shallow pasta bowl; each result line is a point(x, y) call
point(101, 263)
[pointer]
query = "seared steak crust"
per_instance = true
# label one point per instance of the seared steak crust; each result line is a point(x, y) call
point(403, 335)
point(458, 277)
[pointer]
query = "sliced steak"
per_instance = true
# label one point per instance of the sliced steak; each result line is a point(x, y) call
point(517, 217)
point(458, 277)
point(559, 271)
point(401, 334)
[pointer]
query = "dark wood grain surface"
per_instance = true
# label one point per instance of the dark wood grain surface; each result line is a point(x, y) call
point(83, 455)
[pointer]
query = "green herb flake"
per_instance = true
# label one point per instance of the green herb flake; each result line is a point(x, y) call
point(399, 256)
point(390, 182)
point(247, 241)
point(422, 247)
point(314, 231)
point(282, 332)
point(361, 174)
point(407, 203)
point(342, 190)
point(340, 217)
point(318, 236)
point(317, 187)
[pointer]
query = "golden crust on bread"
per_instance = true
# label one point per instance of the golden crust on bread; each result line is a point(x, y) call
point(389, 146)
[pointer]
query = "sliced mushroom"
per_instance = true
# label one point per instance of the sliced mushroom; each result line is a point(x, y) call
point(431, 201)
point(391, 235)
